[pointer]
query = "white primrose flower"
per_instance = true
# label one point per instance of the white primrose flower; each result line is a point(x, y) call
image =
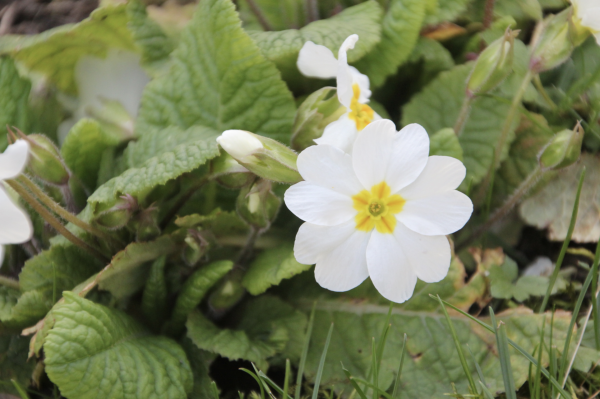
point(352, 89)
point(588, 14)
point(15, 226)
point(382, 212)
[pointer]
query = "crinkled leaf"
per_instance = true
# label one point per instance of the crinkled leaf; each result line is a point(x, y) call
point(29, 308)
point(428, 58)
point(139, 181)
point(55, 53)
point(194, 290)
point(94, 351)
point(220, 223)
point(14, 363)
point(83, 149)
point(154, 299)
point(445, 143)
point(218, 78)
point(149, 37)
point(200, 361)
point(445, 10)
point(551, 207)
point(400, 32)
point(14, 99)
point(268, 326)
point(437, 107)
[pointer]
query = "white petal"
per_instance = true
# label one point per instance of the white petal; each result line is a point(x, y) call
point(409, 156)
point(345, 267)
point(344, 74)
point(14, 159)
point(389, 268)
point(372, 152)
point(341, 134)
point(313, 242)
point(591, 18)
point(316, 61)
point(439, 214)
point(15, 226)
point(440, 174)
point(329, 167)
point(429, 256)
point(363, 83)
point(318, 205)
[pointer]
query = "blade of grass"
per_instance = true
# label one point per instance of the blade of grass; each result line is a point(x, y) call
point(214, 389)
point(537, 380)
point(553, 366)
point(266, 386)
point(373, 387)
point(260, 385)
point(240, 394)
point(477, 367)
point(304, 352)
point(286, 381)
point(502, 343)
point(461, 355)
point(596, 311)
point(375, 368)
point(565, 245)
point(273, 385)
point(357, 388)
point(565, 353)
point(19, 389)
point(486, 391)
point(522, 351)
point(322, 364)
point(399, 373)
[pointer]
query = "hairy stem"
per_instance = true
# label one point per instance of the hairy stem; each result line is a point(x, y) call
point(53, 221)
point(501, 212)
point(259, 15)
point(246, 251)
point(9, 282)
point(463, 115)
point(63, 213)
point(540, 88)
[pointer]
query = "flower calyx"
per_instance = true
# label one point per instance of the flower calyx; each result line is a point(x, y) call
point(564, 149)
point(118, 214)
point(257, 205)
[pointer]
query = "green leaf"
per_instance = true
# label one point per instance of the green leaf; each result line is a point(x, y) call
point(55, 53)
point(270, 267)
point(446, 10)
point(445, 143)
point(550, 208)
point(94, 351)
point(282, 47)
point(139, 181)
point(430, 58)
point(279, 14)
point(267, 327)
point(437, 107)
point(194, 290)
point(14, 99)
point(200, 361)
point(400, 32)
point(29, 308)
point(218, 78)
point(220, 223)
point(83, 149)
point(14, 363)
point(149, 37)
point(154, 299)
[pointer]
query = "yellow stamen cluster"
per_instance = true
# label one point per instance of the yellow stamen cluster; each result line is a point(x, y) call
point(361, 114)
point(376, 209)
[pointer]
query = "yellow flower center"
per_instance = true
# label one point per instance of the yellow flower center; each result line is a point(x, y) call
point(376, 208)
point(361, 114)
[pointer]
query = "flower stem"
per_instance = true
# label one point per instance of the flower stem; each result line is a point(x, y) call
point(9, 282)
point(512, 113)
point(501, 212)
point(54, 222)
point(63, 213)
point(463, 115)
point(259, 15)
point(540, 88)
point(246, 251)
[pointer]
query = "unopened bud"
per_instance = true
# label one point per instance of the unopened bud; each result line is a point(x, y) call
point(493, 65)
point(229, 172)
point(262, 156)
point(45, 161)
point(118, 215)
point(552, 42)
point(228, 292)
point(196, 247)
point(316, 112)
point(147, 224)
point(257, 205)
point(563, 150)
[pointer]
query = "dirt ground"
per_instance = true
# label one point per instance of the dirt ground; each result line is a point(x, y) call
point(35, 16)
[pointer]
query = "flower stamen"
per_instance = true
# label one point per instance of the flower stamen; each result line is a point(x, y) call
point(360, 113)
point(376, 209)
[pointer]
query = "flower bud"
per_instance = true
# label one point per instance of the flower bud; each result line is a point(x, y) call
point(563, 150)
point(493, 65)
point(228, 292)
point(196, 247)
point(316, 112)
point(552, 42)
point(117, 215)
point(147, 224)
point(257, 205)
point(262, 156)
point(45, 161)
point(229, 172)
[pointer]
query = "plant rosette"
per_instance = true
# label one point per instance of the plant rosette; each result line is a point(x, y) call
point(382, 212)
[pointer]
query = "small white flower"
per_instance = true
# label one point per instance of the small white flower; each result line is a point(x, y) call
point(239, 143)
point(352, 89)
point(15, 226)
point(382, 212)
point(588, 13)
